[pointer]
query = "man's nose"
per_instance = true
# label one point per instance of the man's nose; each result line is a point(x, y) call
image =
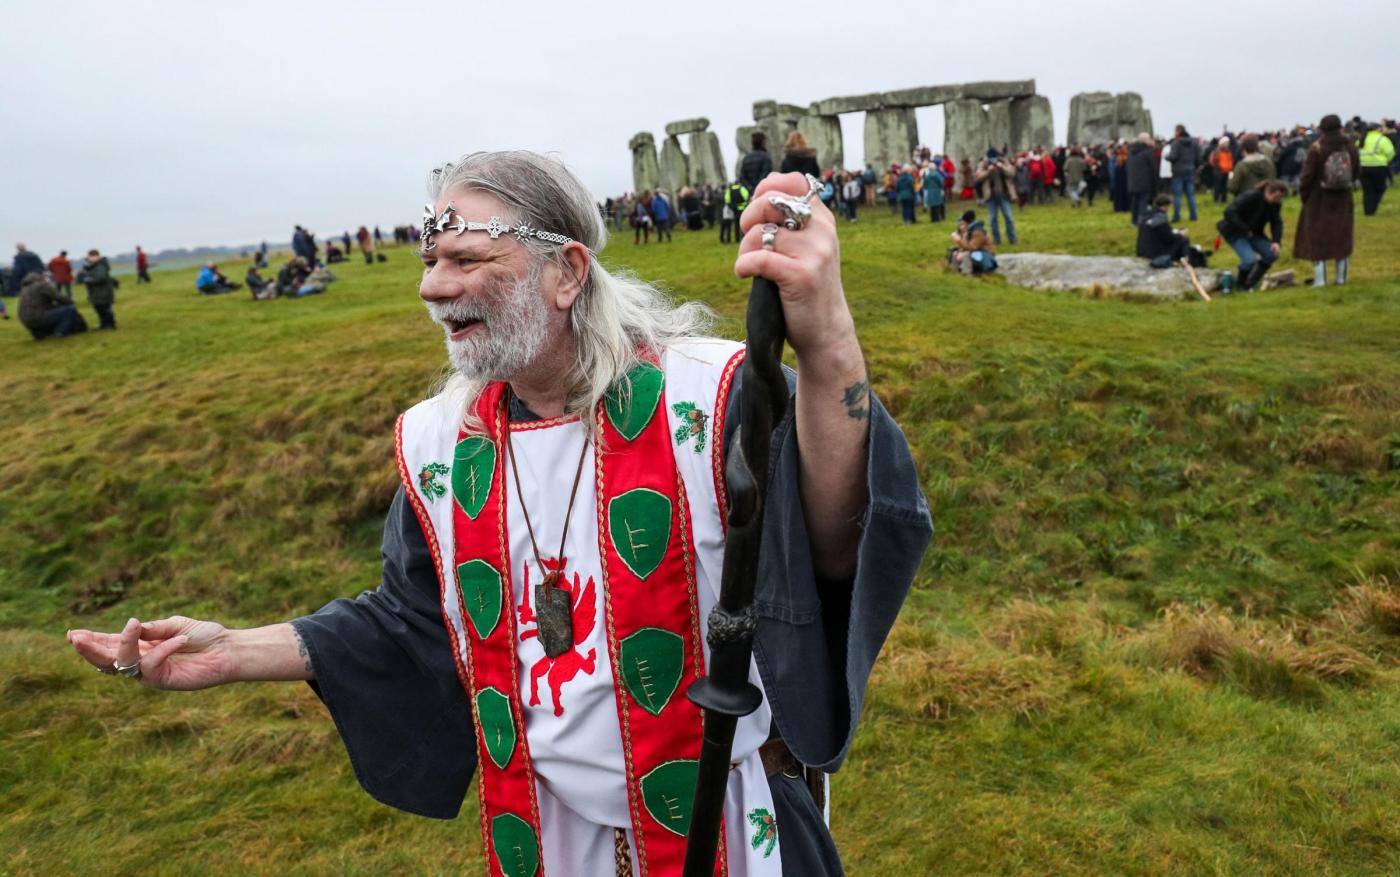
point(435, 286)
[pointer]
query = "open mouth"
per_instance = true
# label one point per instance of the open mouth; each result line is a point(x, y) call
point(459, 328)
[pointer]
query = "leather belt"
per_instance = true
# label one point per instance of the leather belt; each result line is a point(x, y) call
point(778, 759)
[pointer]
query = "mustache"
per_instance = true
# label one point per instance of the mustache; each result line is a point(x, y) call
point(457, 310)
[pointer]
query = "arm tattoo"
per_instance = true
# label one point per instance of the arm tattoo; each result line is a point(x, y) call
point(856, 398)
point(301, 650)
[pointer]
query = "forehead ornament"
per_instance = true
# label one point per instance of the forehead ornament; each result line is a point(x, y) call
point(452, 221)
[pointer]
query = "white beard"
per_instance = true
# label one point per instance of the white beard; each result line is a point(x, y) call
point(514, 322)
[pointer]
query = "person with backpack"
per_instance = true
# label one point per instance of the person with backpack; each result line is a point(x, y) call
point(736, 198)
point(1377, 152)
point(1326, 222)
point(851, 194)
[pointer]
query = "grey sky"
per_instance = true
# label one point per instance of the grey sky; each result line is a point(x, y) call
point(179, 124)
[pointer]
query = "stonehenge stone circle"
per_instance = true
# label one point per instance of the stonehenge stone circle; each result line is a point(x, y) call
point(977, 115)
point(645, 171)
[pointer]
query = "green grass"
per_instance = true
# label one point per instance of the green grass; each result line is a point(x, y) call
point(1158, 631)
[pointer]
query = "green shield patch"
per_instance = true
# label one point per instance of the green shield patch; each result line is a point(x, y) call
point(517, 850)
point(652, 660)
point(631, 412)
point(497, 725)
point(473, 464)
point(639, 524)
point(481, 594)
point(668, 791)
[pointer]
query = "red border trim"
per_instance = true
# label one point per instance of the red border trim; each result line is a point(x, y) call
point(726, 381)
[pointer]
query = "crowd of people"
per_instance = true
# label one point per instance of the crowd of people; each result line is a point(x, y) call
point(1145, 177)
point(45, 291)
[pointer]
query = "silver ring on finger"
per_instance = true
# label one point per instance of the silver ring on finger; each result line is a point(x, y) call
point(130, 671)
point(770, 235)
point(796, 212)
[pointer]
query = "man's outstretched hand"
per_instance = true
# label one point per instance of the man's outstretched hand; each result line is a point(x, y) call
point(184, 654)
point(175, 653)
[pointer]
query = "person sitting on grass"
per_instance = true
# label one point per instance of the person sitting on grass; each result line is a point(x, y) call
point(261, 287)
point(973, 251)
point(1157, 241)
point(46, 312)
point(315, 283)
point(212, 282)
point(1243, 229)
point(292, 276)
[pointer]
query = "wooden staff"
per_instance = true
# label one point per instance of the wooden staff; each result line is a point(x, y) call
point(725, 693)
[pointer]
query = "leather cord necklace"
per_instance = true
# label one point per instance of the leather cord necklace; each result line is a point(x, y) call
point(553, 605)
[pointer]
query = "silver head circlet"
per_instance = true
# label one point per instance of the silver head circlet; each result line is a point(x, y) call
point(451, 221)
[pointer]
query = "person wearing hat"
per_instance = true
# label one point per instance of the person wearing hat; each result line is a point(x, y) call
point(995, 179)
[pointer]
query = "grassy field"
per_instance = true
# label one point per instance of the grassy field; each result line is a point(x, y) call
point(1158, 631)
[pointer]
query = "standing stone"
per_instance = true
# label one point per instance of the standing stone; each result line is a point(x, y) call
point(706, 162)
point(1032, 123)
point(823, 134)
point(965, 133)
point(890, 136)
point(775, 124)
point(999, 124)
point(645, 172)
point(675, 167)
point(1093, 118)
point(1132, 118)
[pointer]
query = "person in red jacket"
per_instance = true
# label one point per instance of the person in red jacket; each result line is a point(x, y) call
point(62, 271)
point(143, 274)
point(1036, 163)
point(1047, 175)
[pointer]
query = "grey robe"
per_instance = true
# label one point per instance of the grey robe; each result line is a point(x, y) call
point(384, 666)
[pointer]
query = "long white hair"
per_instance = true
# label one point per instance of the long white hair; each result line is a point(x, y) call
point(616, 316)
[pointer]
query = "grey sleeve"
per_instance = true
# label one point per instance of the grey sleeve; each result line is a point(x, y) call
point(383, 665)
point(818, 640)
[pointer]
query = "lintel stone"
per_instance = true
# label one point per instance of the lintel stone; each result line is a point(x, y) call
point(856, 103)
point(687, 126)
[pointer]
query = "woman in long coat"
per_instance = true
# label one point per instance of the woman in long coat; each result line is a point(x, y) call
point(1326, 222)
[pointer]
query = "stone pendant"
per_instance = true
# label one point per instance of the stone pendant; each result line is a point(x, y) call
point(554, 613)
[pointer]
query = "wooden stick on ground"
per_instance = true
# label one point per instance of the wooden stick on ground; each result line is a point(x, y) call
point(1195, 281)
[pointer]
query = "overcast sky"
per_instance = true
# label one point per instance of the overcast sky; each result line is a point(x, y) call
point(186, 123)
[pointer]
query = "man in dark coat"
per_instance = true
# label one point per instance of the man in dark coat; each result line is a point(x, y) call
point(1142, 174)
point(1326, 222)
point(1243, 229)
point(46, 312)
point(1156, 237)
point(26, 263)
point(757, 164)
point(1185, 156)
point(96, 274)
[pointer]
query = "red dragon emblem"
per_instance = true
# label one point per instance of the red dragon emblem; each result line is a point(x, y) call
point(565, 667)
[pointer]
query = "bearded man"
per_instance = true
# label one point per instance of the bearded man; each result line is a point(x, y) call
point(552, 555)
